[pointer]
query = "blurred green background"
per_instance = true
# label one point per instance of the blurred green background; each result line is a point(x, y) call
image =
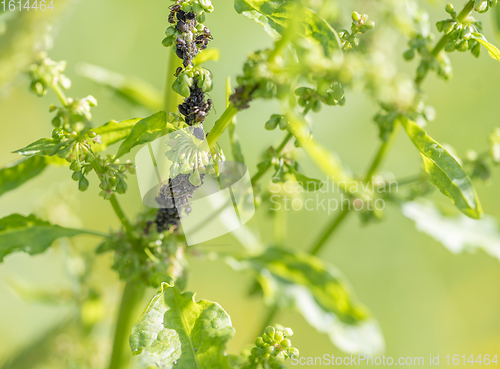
point(427, 300)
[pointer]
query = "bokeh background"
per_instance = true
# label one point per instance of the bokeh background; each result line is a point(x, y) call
point(427, 300)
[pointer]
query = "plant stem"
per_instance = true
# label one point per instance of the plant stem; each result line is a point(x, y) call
point(268, 319)
point(129, 311)
point(382, 152)
point(120, 214)
point(170, 101)
point(329, 230)
point(221, 125)
point(60, 93)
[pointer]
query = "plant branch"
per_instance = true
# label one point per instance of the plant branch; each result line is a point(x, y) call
point(329, 231)
point(129, 310)
point(60, 93)
point(444, 39)
point(257, 176)
point(120, 214)
point(382, 152)
point(221, 125)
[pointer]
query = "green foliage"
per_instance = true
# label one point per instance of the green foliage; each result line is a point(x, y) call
point(144, 131)
point(30, 234)
point(113, 132)
point(467, 235)
point(320, 293)
point(492, 49)
point(43, 147)
point(175, 331)
point(445, 172)
point(16, 174)
point(276, 16)
point(205, 56)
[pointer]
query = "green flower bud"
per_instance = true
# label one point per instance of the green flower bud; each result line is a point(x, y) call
point(449, 26)
point(283, 122)
point(286, 343)
point(83, 184)
point(267, 339)
point(121, 187)
point(316, 107)
point(259, 342)
point(356, 17)
point(75, 166)
point(271, 350)
point(293, 352)
point(323, 87)
point(280, 358)
point(287, 332)
point(409, 54)
point(76, 176)
point(270, 331)
point(449, 9)
point(273, 122)
point(278, 336)
point(369, 24)
point(463, 46)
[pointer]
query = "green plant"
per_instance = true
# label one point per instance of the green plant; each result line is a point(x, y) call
point(311, 65)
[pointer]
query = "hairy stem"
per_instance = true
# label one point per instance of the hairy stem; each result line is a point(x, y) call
point(128, 313)
point(120, 214)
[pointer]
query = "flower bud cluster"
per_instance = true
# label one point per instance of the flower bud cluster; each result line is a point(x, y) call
point(145, 254)
point(274, 346)
point(460, 33)
point(328, 93)
point(192, 76)
point(360, 24)
point(45, 73)
point(72, 136)
point(259, 80)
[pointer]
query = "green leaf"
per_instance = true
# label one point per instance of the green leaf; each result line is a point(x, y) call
point(445, 172)
point(144, 131)
point(308, 184)
point(206, 55)
point(42, 147)
point(455, 231)
point(31, 234)
point(177, 332)
point(274, 16)
point(16, 174)
point(132, 89)
point(492, 49)
point(321, 294)
point(113, 132)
